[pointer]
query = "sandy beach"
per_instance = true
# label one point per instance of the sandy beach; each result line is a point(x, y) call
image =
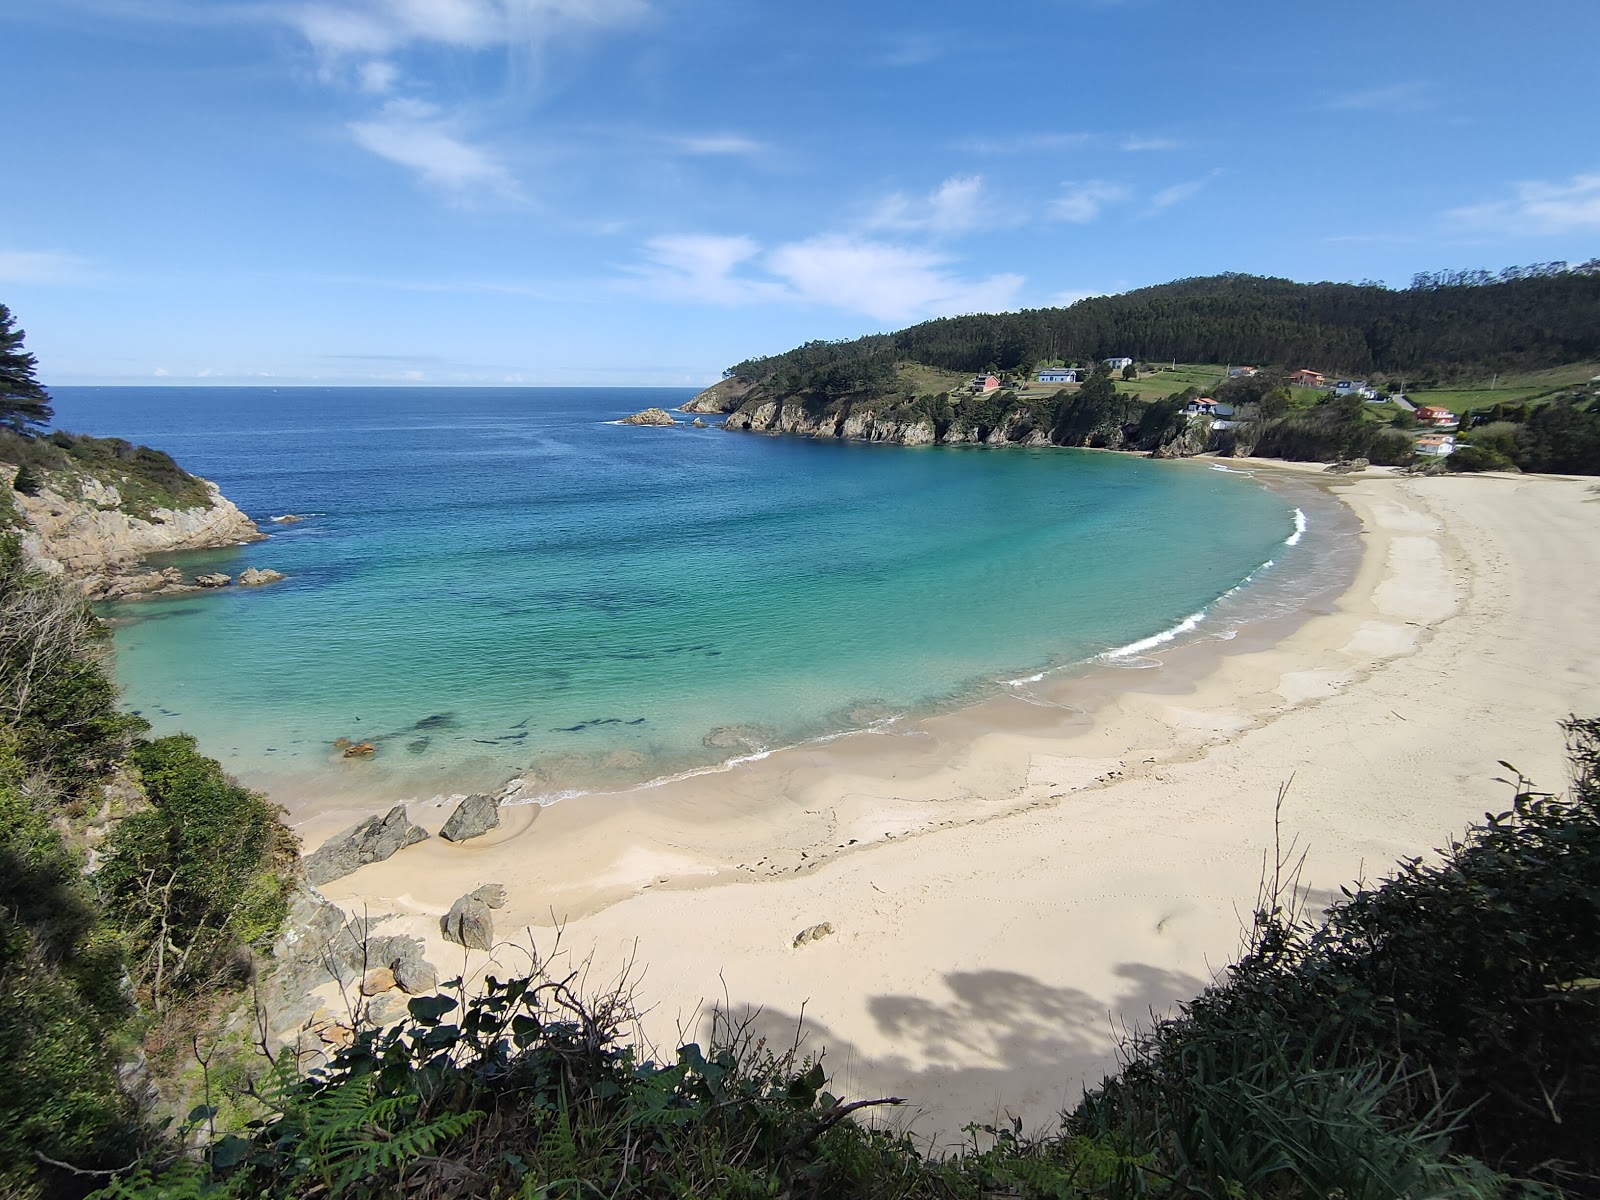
point(1008, 889)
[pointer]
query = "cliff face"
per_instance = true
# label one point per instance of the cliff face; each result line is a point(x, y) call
point(721, 397)
point(83, 533)
point(1016, 428)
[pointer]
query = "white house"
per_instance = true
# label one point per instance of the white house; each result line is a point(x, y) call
point(1116, 364)
point(1058, 375)
point(1436, 445)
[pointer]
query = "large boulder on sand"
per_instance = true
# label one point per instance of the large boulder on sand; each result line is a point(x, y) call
point(473, 817)
point(373, 840)
point(469, 922)
point(650, 416)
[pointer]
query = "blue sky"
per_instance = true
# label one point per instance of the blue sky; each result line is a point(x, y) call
point(646, 191)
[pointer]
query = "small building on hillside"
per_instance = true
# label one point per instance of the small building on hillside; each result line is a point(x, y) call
point(1436, 445)
point(1058, 375)
point(985, 383)
point(1306, 377)
point(1117, 364)
point(1345, 387)
point(1439, 418)
point(1241, 372)
point(1202, 406)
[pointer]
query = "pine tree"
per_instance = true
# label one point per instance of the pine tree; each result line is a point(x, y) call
point(23, 401)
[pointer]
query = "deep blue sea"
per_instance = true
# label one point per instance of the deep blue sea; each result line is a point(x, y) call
point(494, 582)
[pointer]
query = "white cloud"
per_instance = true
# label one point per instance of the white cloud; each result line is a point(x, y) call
point(1083, 201)
point(955, 206)
point(702, 267)
point(1404, 96)
point(718, 144)
point(886, 282)
point(378, 77)
point(413, 134)
point(1179, 192)
point(368, 27)
point(1537, 208)
point(43, 266)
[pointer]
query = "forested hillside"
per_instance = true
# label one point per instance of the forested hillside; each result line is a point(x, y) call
point(1441, 325)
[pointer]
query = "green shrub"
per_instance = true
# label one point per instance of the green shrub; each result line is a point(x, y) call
point(27, 480)
point(196, 878)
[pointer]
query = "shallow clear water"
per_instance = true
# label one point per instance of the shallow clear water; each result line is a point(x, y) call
point(495, 580)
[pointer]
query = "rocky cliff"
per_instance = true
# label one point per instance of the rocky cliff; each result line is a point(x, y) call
point(76, 525)
point(721, 397)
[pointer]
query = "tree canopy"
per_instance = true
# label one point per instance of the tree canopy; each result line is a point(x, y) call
point(23, 401)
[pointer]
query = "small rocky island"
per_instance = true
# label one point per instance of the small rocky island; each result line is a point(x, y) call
point(650, 416)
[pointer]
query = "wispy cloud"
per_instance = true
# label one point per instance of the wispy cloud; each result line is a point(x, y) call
point(1407, 95)
point(714, 144)
point(1536, 208)
point(1026, 143)
point(357, 43)
point(885, 281)
point(44, 267)
point(957, 205)
point(1135, 144)
point(415, 135)
point(1083, 201)
point(706, 267)
point(1167, 197)
point(379, 27)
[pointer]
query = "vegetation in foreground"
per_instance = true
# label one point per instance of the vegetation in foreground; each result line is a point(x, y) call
point(1438, 1034)
point(108, 976)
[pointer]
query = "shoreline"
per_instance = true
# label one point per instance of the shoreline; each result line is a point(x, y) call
point(323, 800)
point(1004, 898)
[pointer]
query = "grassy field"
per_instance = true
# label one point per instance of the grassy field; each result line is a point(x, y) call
point(929, 381)
point(1513, 388)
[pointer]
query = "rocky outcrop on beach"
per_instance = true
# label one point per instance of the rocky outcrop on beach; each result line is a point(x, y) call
point(473, 817)
point(469, 922)
point(319, 944)
point(372, 840)
point(258, 576)
point(650, 416)
point(88, 537)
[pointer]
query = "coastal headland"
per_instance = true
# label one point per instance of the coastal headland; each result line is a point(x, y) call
point(1010, 886)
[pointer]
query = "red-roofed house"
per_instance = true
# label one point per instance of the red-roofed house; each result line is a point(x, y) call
point(1306, 377)
point(1440, 418)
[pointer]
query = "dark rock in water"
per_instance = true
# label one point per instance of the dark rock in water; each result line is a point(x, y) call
point(473, 817)
point(257, 577)
point(446, 720)
point(215, 580)
point(360, 750)
point(469, 922)
point(418, 745)
point(373, 840)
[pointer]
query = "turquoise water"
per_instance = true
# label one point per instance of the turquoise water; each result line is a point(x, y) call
point(500, 581)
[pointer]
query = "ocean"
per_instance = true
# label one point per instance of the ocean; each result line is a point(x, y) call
point(504, 582)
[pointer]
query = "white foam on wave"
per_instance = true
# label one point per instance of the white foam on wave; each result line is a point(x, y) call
point(1230, 470)
point(1299, 529)
point(1026, 679)
point(1187, 625)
